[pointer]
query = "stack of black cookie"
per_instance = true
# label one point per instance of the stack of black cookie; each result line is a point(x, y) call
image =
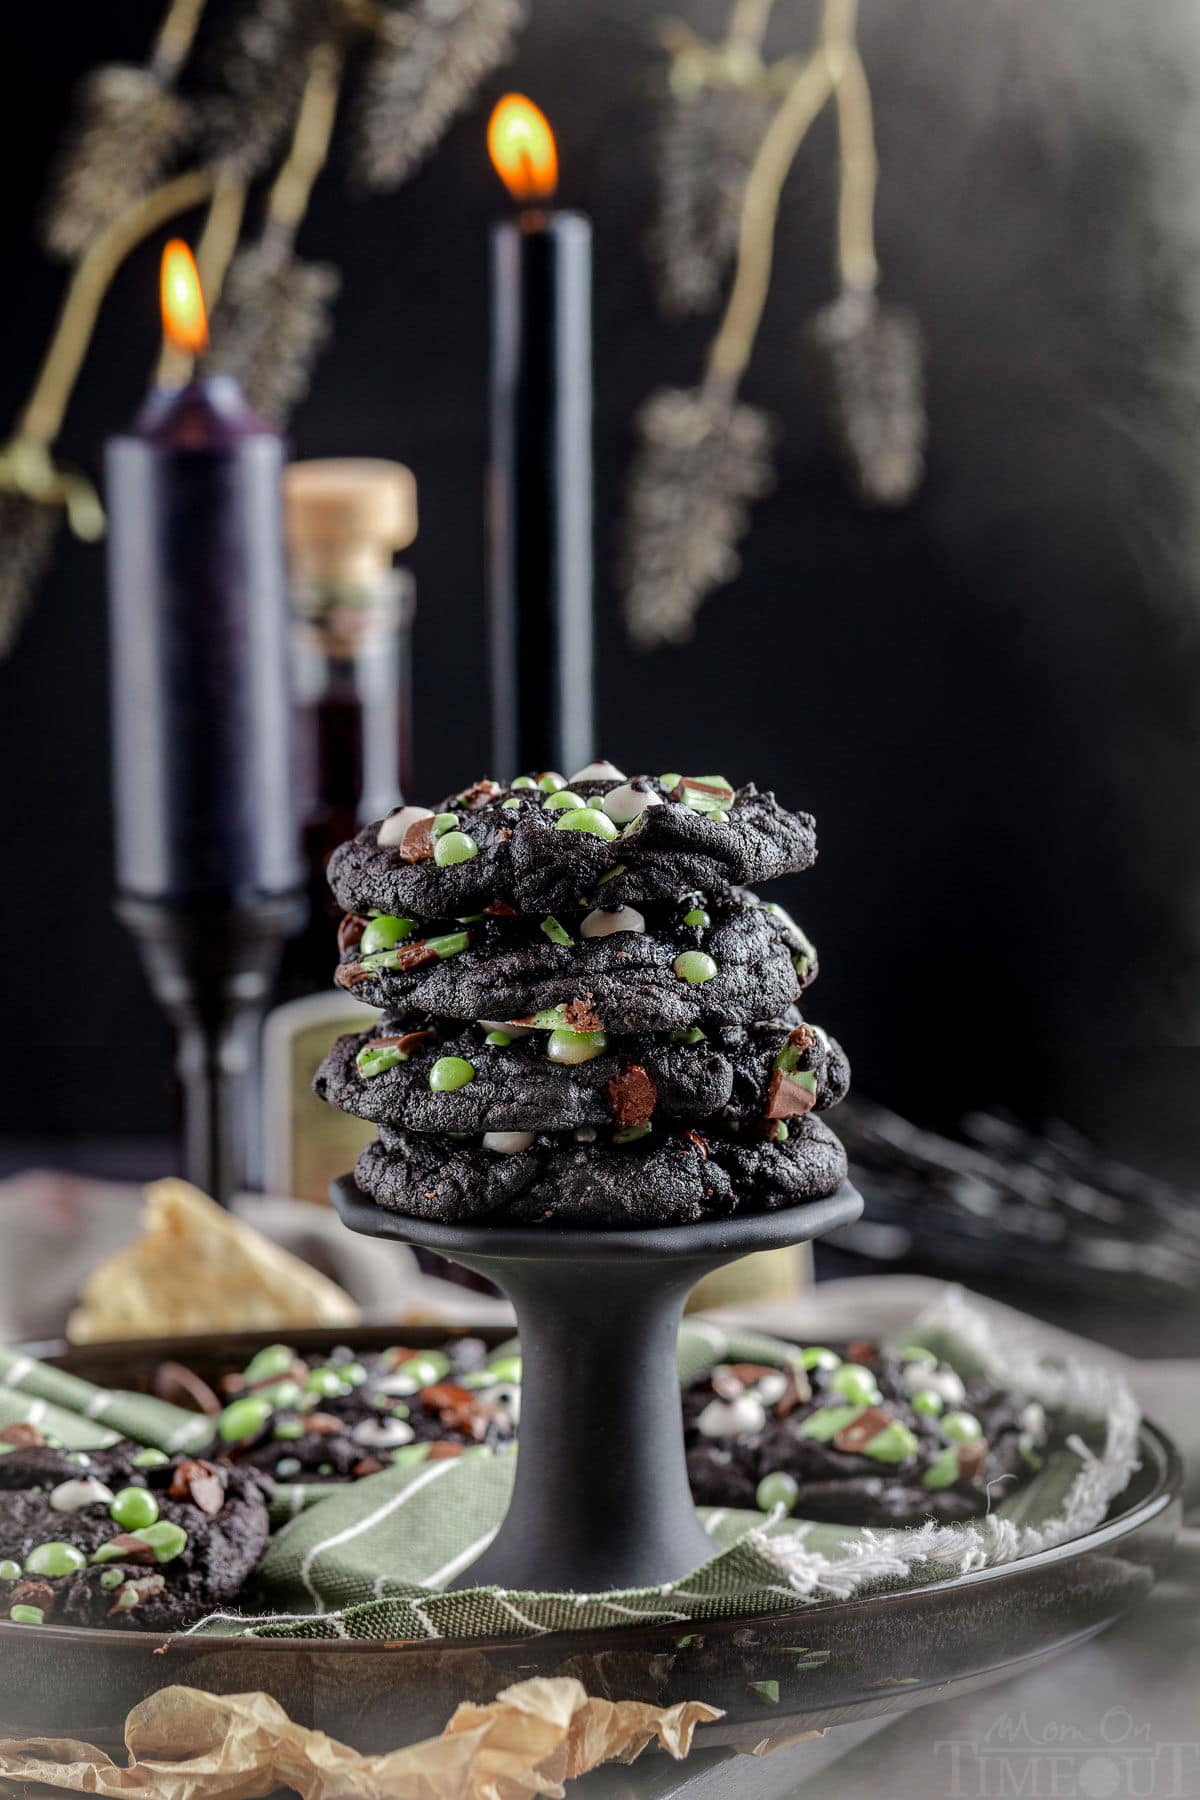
point(587, 1017)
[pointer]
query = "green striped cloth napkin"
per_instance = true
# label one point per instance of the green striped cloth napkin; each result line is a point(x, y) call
point(85, 1417)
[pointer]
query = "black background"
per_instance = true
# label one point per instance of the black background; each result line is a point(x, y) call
point(988, 701)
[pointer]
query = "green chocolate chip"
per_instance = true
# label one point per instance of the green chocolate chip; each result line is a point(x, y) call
point(325, 1382)
point(269, 1364)
point(450, 1073)
point(619, 869)
point(111, 1578)
point(565, 1046)
point(961, 1428)
point(54, 1559)
point(558, 934)
point(551, 1018)
point(695, 967)
point(455, 847)
point(450, 943)
point(693, 1035)
point(778, 1132)
point(550, 783)
point(287, 1430)
point(27, 1615)
point(827, 1421)
point(511, 805)
point(776, 1489)
point(377, 1059)
point(505, 1368)
point(816, 1356)
point(134, 1507)
point(384, 933)
point(352, 1372)
point(927, 1400)
point(1028, 1451)
point(444, 822)
point(670, 781)
point(166, 1540)
point(802, 965)
point(917, 1353)
point(630, 1134)
point(893, 1444)
point(942, 1472)
point(499, 1040)
point(283, 1394)
point(564, 801)
point(586, 818)
point(697, 917)
point(243, 1419)
point(409, 1455)
point(427, 1368)
point(151, 1459)
point(856, 1383)
point(10, 1570)
point(525, 781)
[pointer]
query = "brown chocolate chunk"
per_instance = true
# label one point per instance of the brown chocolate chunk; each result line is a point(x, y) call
point(407, 1044)
point(322, 1424)
point(22, 1436)
point(750, 1373)
point(701, 1143)
point(200, 1482)
point(181, 1386)
point(417, 845)
point(632, 1095)
point(352, 975)
point(370, 1465)
point(500, 909)
point(862, 1350)
point(130, 1549)
point(479, 793)
point(855, 1437)
point(798, 1392)
point(32, 1593)
point(454, 1405)
point(350, 931)
point(803, 1037)
point(444, 1452)
point(725, 1384)
point(581, 1015)
point(972, 1459)
point(415, 956)
point(787, 1099)
point(132, 1593)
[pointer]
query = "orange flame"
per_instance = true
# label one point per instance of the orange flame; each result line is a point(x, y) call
point(521, 145)
point(184, 320)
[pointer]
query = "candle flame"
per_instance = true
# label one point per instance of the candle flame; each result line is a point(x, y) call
point(185, 323)
point(521, 145)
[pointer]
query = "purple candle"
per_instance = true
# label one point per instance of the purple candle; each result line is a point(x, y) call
point(200, 638)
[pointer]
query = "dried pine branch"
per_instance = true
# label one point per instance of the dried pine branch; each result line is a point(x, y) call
point(271, 324)
point(704, 456)
point(426, 67)
point(28, 528)
point(707, 142)
point(261, 61)
point(129, 127)
point(872, 368)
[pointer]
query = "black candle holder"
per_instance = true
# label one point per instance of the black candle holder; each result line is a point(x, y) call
point(601, 1498)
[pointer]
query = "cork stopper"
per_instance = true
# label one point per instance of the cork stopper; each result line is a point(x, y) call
point(347, 516)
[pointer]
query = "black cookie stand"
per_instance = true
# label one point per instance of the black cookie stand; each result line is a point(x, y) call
point(601, 1496)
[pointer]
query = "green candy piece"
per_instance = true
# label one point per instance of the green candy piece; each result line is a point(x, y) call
point(856, 1383)
point(827, 1421)
point(326, 1382)
point(451, 942)
point(288, 1430)
point(512, 805)
point(166, 1540)
point(893, 1444)
point(565, 1046)
point(384, 932)
point(505, 1368)
point(111, 1578)
point(697, 917)
point(151, 1459)
point(693, 1035)
point(10, 1570)
point(134, 1507)
point(442, 823)
point(670, 781)
point(927, 1400)
point(450, 1073)
point(816, 1356)
point(558, 934)
point(455, 847)
point(353, 1372)
point(282, 1394)
point(961, 1428)
point(269, 1364)
point(525, 781)
point(802, 965)
point(617, 869)
point(551, 1018)
point(942, 1472)
point(499, 1040)
point(27, 1615)
point(917, 1353)
point(776, 1489)
point(1028, 1451)
point(427, 1368)
point(54, 1559)
point(630, 1134)
point(377, 1059)
point(695, 967)
point(564, 801)
point(586, 818)
point(778, 1133)
point(7, 1449)
point(550, 783)
point(408, 1455)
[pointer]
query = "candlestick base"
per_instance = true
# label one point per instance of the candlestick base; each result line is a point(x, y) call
point(601, 1498)
point(211, 968)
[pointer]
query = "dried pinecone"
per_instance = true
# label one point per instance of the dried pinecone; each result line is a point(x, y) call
point(128, 128)
point(707, 141)
point(261, 61)
point(427, 65)
point(27, 532)
point(871, 362)
point(271, 324)
point(703, 457)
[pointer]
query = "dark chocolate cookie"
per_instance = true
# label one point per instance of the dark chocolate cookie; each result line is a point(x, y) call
point(124, 1537)
point(737, 962)
point(509, 1080)
point(882, 1438)
point(629, 1178)
point(548, 847)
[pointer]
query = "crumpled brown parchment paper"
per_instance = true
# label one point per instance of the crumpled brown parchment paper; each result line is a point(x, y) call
point(187, 1745)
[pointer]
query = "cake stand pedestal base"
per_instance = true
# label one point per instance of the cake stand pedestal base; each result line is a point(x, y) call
point(601, 1498)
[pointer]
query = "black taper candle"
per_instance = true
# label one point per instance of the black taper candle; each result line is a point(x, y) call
point(540, 485)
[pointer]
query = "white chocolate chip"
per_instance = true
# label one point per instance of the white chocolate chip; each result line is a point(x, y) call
point(771, 1388)
point(598, 771)
point(918, 1375)
point(730, 1418)
point(383, 1434)
point(514, 1031)
point(600, 923)
point(507, 1143)
point(395, 826)
point(77, 1496)
point(397, 1386)
point(624, 804)
point(1033, 1420)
